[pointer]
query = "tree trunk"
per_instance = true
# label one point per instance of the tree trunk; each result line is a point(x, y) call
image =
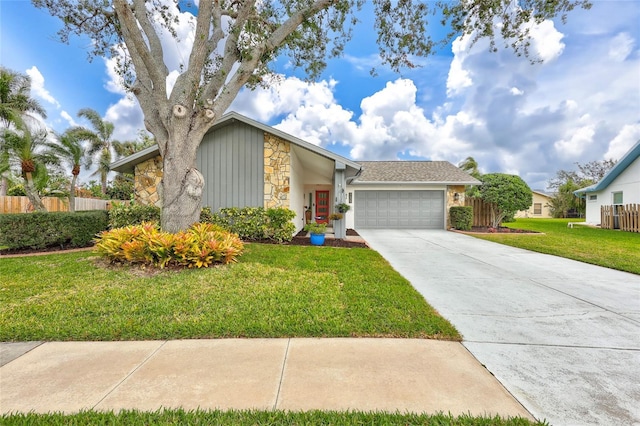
point(32, 194)
point(181, 190)
point(4, 183)
point(103, 183)
point(72, 194)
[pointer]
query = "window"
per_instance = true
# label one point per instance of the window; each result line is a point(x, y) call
point(593, 198)
point(537, 208)
point(617, 198)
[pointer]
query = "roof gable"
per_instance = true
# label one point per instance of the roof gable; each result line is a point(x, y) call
point(442, 172)
point(625, 161)
point(126, 165)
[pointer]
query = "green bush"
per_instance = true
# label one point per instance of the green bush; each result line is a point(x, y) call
point(55, 229)
point(254, 223)
point(201, 246)
point(461, 217)
point(125, 214)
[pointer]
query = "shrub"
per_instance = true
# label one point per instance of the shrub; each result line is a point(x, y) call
point(254, 223)
point(201, 246)
point(55, 229)
point(125, 214)
point(461, 217)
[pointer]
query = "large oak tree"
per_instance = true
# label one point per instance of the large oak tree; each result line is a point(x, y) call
point(235, 43)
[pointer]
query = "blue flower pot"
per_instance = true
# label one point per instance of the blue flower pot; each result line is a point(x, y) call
point(317, 239)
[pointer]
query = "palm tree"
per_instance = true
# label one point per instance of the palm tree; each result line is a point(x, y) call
point(21, 147)
point(15, 103)
point(470, 165)
point(100, 143)
point(69, 150)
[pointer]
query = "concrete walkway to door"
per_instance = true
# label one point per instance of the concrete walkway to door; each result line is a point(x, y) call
point(562, 336)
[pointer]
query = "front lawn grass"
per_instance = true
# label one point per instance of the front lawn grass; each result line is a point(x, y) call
point(604, 247)
point(274, 291)
point(255, 417)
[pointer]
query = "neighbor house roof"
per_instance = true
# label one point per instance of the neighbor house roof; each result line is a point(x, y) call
point(127, 164)
point(625, 161)
point(441, 172)
point(543, 193)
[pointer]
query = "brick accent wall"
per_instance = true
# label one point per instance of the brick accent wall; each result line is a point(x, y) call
point(148, 175)
point(277, 171)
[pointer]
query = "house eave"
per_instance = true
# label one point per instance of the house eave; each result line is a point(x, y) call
point(127, 164)
point(386, 182)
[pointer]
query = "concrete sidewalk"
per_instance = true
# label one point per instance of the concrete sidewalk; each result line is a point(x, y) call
point(406, 375)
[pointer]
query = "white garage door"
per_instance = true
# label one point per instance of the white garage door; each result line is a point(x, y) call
point(399, 209)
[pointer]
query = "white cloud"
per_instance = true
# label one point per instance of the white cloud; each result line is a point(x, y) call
point(575, 144)
point(622, 143)
point(547, 41)
point(37, 86)
point(68, 118)
point(127, 118)
point(459, 78)
point(621, 47)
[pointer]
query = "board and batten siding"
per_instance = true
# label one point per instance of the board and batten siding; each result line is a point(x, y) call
point(231, 160)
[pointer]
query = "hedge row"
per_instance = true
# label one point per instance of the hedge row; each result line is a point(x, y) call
point(253, 223)
point(55, 229)
point(67, 230)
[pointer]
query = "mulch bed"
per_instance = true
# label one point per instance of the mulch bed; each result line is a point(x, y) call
point(301, 239)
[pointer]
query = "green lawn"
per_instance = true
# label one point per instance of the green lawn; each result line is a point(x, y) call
point(604, 247)
point(274, 291)
point(254, 417)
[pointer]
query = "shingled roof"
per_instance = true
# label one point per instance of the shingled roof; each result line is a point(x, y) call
point(441, 172)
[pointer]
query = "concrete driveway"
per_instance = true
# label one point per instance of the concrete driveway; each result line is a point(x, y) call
point(562, 336)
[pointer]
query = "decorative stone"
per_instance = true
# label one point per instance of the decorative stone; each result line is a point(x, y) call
point(277, 159)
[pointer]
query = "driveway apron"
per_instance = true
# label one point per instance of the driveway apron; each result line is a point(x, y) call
point(562, 336)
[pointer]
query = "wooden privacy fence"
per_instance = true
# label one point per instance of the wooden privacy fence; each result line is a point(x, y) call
point(481, 211)
point(624, 218)
point(52, 204)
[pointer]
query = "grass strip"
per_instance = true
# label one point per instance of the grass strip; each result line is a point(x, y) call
point(604, 247)
point(254, 417)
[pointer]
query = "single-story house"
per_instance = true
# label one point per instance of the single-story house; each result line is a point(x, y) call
point(248, 164)
point(620, 186)
point(540, 206)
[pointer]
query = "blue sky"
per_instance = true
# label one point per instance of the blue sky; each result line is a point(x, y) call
point(581, 104)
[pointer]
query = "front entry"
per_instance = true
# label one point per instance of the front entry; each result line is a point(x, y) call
point(322, 206)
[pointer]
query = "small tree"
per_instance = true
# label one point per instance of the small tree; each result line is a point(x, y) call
point(507, 194)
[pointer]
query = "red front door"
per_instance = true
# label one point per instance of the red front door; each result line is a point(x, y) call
point(322, 206)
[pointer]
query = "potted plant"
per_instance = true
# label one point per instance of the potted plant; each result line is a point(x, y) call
point(343, 207)
point(335, 216)
point(317, 231)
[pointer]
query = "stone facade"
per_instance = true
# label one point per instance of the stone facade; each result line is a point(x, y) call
point(277, 171)
point(148, 175)
point(451, 201)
